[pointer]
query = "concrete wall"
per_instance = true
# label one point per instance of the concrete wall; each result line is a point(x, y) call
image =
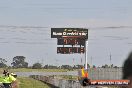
point(105, 73)
point(54, 82)
point(57, 83)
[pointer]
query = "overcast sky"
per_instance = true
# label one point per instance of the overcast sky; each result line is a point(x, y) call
point(25, 27)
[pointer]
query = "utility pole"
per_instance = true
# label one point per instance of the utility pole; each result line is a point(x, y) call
point(81, 60)
point(42, 62)
point(73, 62)
point(110, 59)
point(91, 61)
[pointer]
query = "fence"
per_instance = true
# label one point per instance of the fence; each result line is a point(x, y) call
point(105, 73)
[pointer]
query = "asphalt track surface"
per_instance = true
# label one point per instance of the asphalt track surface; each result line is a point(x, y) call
point(27, 74)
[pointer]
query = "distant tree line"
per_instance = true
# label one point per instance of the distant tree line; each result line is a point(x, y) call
point(19, 62)
point(3, 63)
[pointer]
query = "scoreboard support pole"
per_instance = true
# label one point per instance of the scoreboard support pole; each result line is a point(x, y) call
point(86, 56)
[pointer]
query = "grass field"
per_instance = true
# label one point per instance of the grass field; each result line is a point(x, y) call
point(25, 82)
point(37, 70)
point(34, 70)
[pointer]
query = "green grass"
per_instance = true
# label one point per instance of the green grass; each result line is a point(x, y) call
point(37, 70)
point(25, 82)
point(34, 70)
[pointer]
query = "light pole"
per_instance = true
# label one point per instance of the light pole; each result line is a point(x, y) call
point(86, 50)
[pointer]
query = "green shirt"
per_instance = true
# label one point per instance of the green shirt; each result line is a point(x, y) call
point(1, 79)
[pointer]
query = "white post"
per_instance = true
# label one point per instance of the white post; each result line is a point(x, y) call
point(86, 50)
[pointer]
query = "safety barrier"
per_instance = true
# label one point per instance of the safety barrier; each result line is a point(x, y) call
point(94, 74)
point(56, 82)
point(105, 73)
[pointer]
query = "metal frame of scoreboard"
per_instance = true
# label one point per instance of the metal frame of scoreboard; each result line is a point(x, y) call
point(73, 40)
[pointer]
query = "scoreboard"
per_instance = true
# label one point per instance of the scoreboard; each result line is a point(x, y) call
point(74, 37)
point(69, 32)
point(70, 50)
point(70, 41)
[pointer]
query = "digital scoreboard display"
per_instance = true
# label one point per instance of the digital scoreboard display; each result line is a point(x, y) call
point(70, 41)
point(70, 50)
point(69, 32)
point(76, 37)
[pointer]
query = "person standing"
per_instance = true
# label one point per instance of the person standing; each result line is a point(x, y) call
point(8, 79)
point(14, 83)
point(127, 69)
